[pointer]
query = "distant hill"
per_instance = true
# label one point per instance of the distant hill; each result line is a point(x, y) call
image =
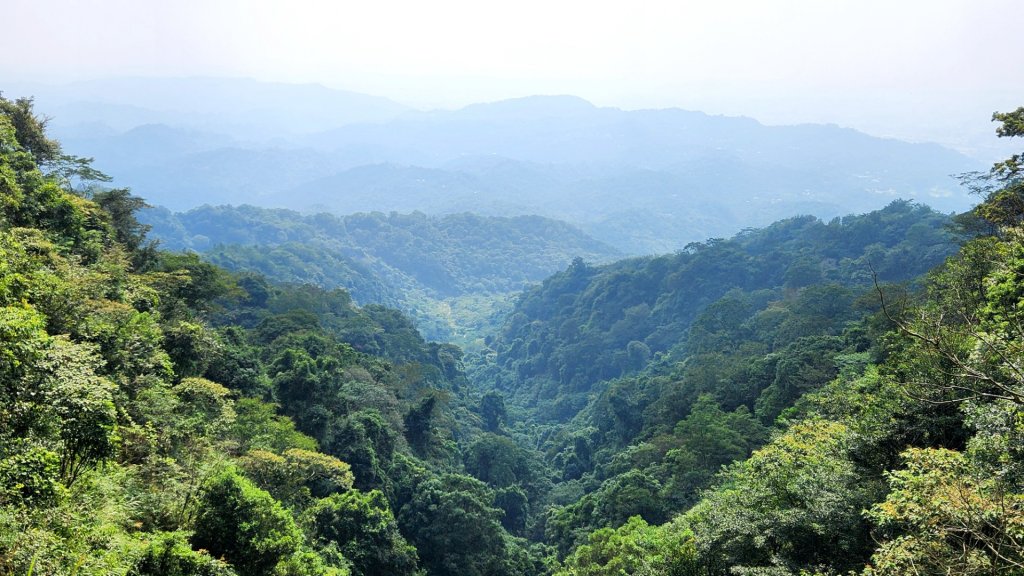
point(644, 181)
point(238, 107)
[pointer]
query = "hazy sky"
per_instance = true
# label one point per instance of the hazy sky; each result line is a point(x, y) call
point(932, 69)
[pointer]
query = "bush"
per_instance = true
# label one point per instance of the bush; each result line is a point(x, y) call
point(169, 555)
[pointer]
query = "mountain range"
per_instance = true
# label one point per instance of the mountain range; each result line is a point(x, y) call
point(686, 175)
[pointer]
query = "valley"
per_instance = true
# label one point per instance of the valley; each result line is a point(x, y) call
point(604, 342)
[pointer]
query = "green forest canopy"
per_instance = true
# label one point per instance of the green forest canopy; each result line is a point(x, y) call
point(779, 403)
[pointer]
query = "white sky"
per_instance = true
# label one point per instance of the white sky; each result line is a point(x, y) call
point(919, 69)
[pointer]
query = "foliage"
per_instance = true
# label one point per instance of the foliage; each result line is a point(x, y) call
point(297, 475)
point(30, 478)
point(733, 408)
point(135, 384)
point(948, 517)
point(454, 254)
point(794, 504)
point(587, 324)
point(454, 526)
point(83, 404)
point(427, 266)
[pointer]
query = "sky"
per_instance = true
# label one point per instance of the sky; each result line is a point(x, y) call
point(930, 70)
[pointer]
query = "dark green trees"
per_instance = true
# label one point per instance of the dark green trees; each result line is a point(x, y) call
point(453, 524)
point(361, 526)
point(493, 411)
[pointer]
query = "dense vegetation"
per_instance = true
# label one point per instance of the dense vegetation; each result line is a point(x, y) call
point(789, 401)
point(161, 416)
point(640, 380)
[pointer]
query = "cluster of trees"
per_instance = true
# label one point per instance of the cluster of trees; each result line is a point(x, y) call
point(647, 444)
point(448, 255)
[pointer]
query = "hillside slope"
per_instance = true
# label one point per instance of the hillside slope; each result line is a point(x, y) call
point(585, 324)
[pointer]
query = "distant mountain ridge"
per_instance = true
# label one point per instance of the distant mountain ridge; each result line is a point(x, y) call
point(235, 106)
point(645, 181)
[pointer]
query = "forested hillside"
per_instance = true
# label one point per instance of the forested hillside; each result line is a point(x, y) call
point(807, 398)
point(593, 323)
point(447, 272)
point(642, 378)
point(906, 461)
point(450, 255)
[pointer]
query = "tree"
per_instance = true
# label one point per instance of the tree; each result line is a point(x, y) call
point(367, 442)
point(716, 437)
point(492, 411)
point(23, 343)
point(170, 555)
point(258, 425)
point(965, 342)
point(500, 462)
point(30, 477)
point(455, 528)
point(204, 411)
point(30, 129)
point(361, 525)
point(709, 438)
point(634, 493)
point(122, 206)
point(130, 342)
point(418, 424)
point(244, 525)
point(635, 548)
point(237, 365)
point(1003, 186)
point(187, 282)
point(515, 506)
point(805, 365)
point(84, 407)
point(974, 324)
point(298, 475)
point(192, 348)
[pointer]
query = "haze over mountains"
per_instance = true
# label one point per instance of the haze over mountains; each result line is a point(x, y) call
point(687, 176)
point(461, 288)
